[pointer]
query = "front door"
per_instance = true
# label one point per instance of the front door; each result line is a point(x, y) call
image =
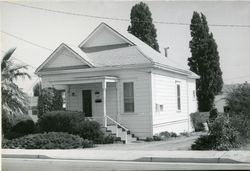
point(87, 103)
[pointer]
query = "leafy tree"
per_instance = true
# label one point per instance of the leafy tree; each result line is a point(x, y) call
point(204, 62)
point(49, 99)
point(142, 25)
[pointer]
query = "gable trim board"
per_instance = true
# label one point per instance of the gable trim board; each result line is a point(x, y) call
point(53, 55)
point(95, 69)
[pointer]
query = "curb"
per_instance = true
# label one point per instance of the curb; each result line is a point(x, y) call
point(25, 156)
point(188, 160)
point(142, 159)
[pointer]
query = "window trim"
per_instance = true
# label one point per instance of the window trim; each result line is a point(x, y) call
point(178, 96)
point(133, 85)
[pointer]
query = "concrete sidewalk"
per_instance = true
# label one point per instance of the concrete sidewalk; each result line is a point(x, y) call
point(147, 156)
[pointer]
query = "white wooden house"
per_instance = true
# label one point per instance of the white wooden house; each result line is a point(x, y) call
point(116, 79)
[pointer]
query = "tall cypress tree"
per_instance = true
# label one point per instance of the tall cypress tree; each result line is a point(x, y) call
point(142, 25)
point(204, 62)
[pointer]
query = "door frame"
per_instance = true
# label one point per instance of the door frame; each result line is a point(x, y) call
point(91, 96)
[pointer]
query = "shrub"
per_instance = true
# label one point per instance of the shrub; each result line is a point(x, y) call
point(88, 130)
point(148, 139)
point(49, 99)
point(198, 119)
point(238, 100)
point(110, 139)
point(185, 134)
point(165, 134)
point(204, 142)
point(213, 114)
point(6, 124)
point(22, 128)
point(173, 134)
point(51, 140)
point(73, 123)
point(222, 136)
point(157, 138)
point(59, 121)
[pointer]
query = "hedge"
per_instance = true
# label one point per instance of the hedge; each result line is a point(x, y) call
point(73, 123)
point(51, 140)
point(59, 121)
point(22, 128)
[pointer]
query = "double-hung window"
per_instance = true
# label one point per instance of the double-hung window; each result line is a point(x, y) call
point(128, 94)
point(178, 96)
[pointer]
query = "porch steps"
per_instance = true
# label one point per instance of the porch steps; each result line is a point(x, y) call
point(126, 136)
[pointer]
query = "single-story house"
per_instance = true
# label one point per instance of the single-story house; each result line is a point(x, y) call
point(118, 80)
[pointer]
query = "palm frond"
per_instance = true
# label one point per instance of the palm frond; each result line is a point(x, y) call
point(6, 58)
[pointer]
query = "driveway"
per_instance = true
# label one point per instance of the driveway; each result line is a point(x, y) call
point(179, 143)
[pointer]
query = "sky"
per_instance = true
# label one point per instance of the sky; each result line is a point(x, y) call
point(27, 28)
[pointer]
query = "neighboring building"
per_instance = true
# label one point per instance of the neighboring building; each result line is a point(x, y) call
point(219, 101)
point(115, 78)
point(33, 111)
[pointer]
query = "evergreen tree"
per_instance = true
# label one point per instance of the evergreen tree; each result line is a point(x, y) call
point(204, 62)
point(142, 25)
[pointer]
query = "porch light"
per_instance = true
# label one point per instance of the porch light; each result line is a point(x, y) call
point(73, 94)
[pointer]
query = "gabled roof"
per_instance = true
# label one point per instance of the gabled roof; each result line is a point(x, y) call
point(77, 54)
point(135, 52)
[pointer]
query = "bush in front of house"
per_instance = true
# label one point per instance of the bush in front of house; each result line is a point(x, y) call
point(50, 140)
point(20, 129)
point(204, 142)
point(198, 118)
point(167, 135)
point(222, 136)
point(110, 139)
point(49, 99)
point(213, 114)
point(149, 139)
point(90, 130)
point(73, 123)
point(59, 121)
point(185, 134)
point(157, 137)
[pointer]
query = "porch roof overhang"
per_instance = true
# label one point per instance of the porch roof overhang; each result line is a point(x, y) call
point(84, 80)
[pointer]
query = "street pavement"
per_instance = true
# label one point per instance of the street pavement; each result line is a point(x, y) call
point(10, 164)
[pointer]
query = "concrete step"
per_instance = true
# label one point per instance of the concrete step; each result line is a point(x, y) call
point(120, 132)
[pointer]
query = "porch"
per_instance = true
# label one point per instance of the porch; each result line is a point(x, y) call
point(97, 97)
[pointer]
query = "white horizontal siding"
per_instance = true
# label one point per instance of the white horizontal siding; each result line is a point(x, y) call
point(139, 122)
point(164, 93)
point(64, 58)
point(104, 37)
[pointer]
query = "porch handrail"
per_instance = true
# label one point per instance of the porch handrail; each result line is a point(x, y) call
point(117, 123)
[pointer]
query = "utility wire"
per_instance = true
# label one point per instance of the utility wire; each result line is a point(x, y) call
point(122, 19)
point(27, 41)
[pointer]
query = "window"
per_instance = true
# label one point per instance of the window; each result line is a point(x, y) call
point(178, 96)
point(194, 95)
point(128, 94)
point(159, 107)
point(63, 94)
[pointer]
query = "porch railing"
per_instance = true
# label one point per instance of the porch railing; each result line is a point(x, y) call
point(117, 125)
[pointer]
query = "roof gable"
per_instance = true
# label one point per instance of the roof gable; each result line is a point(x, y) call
point(64, 58)
point(106, 36)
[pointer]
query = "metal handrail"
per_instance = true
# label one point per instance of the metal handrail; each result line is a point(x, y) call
point(108, 117)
